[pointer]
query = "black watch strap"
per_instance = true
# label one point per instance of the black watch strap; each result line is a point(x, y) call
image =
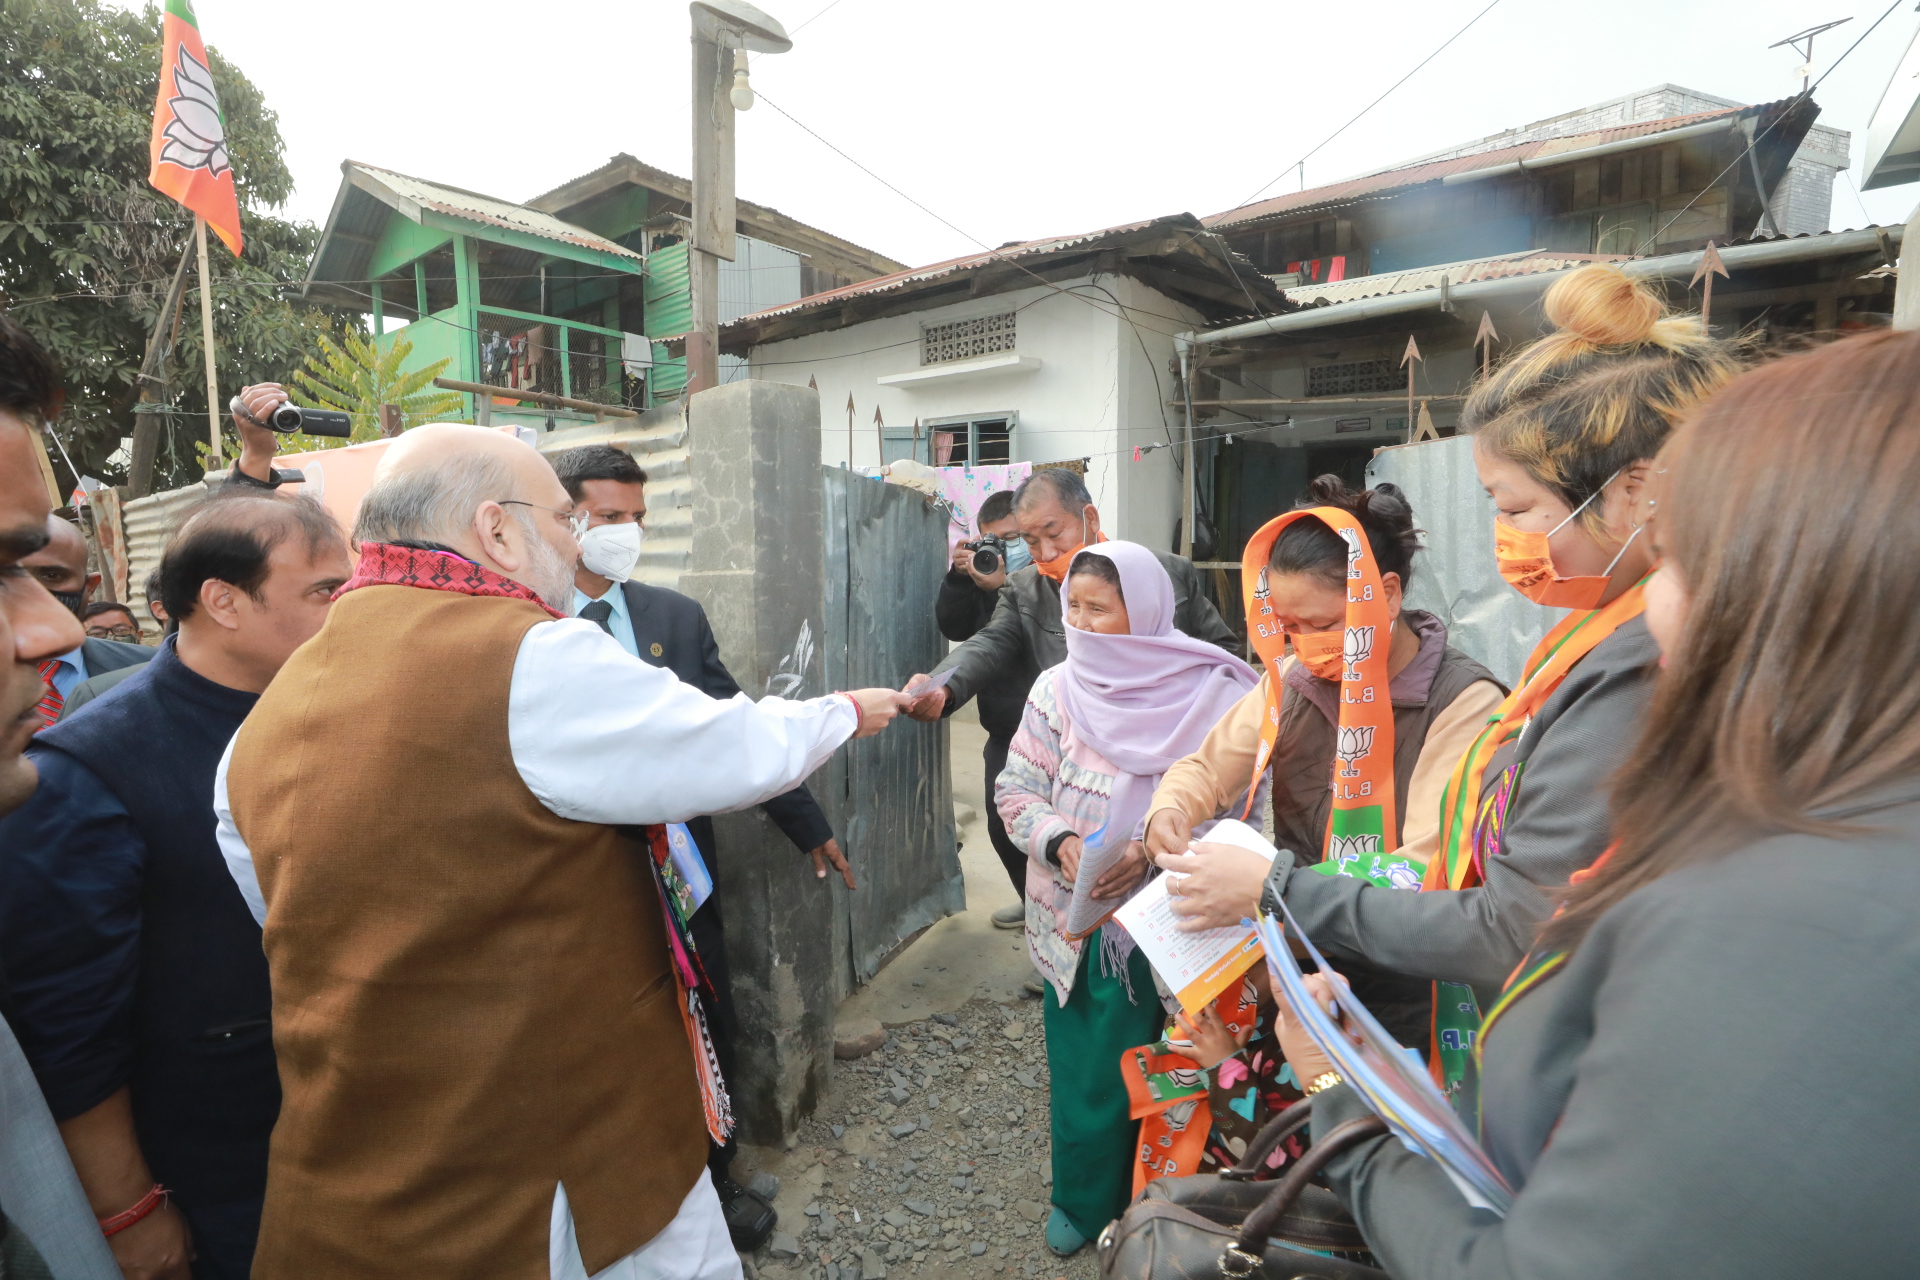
point(1276, 886)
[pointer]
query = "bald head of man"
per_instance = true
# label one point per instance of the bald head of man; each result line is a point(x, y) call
point(61, 565)
point(481, 494)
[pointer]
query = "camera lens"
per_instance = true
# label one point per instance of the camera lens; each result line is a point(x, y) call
point(986, 560)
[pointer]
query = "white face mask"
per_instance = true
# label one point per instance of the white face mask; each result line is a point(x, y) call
point(611, 550)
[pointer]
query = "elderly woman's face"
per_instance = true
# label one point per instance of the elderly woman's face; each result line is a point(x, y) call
point(1093, 605)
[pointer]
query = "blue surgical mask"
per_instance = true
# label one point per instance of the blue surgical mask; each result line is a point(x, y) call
point(1018, 557)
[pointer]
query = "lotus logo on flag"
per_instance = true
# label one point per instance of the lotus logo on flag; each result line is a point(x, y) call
point(196, 136)
point(1357, 647)
point(1354, 742)
point(187, 154)
point(1343, 851)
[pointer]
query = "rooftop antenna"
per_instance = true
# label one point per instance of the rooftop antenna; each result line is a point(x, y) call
point(1803, 45)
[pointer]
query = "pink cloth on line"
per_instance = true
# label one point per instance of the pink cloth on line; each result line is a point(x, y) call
point(967, 487)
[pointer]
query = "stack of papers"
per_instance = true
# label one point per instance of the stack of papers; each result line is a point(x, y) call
point(1391, 1080)
point(1196, 967)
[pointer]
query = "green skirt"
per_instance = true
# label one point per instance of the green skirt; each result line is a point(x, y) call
point(1093, 1137)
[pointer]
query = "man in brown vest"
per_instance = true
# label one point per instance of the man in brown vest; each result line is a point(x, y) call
point(445, 808)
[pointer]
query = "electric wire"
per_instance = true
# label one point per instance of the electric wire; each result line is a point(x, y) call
point(1301, 162)
point(1754, 141)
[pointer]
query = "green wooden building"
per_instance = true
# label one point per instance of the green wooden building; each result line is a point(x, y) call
point(570, 293)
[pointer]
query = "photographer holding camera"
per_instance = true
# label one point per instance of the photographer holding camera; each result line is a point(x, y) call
point(262, 414)
point(968, 595)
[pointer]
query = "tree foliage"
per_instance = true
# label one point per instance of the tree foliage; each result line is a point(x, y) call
point(358, 377)
point(87, 248)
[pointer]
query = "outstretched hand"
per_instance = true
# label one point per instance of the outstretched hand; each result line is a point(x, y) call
point(830, 853)
point(928, 707)
point(877, 709)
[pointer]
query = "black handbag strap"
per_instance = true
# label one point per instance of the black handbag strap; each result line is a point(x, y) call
point(1243, 1256)
point(1272, 1134)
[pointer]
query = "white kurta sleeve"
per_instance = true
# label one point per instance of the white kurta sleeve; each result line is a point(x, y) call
point(600, 736)
point(232, 847)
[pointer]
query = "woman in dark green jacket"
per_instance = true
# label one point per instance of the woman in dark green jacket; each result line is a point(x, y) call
point(1705, 1067)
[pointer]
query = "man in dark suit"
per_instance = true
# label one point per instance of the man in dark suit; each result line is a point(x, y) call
point(61, 567)
point(667, 629)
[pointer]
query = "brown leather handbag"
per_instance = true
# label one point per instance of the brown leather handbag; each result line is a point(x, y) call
point(1229, 1227)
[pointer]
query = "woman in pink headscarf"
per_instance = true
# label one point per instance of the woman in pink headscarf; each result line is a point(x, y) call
point(1133, 697)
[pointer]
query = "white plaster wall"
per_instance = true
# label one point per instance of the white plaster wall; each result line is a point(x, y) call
point(1094, 395)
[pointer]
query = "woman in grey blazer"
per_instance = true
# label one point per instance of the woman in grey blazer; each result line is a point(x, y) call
point(1704, 1068)
point(1564, 435)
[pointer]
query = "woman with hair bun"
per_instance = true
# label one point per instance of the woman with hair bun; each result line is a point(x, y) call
point(1564, 435)
point(1302, 566)
point(1704, 1067)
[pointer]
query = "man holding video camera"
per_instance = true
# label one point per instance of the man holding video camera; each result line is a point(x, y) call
point(968, 595)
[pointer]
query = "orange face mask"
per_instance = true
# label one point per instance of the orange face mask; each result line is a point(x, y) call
point(1056, 568)
point(1526, 562)
point(1322, 653)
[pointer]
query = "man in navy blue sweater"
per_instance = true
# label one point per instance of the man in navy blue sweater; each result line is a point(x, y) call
point(139, 986)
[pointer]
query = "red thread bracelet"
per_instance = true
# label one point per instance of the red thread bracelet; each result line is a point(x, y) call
point(127, 1217)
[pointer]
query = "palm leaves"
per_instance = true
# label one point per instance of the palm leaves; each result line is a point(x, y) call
point(358, 377)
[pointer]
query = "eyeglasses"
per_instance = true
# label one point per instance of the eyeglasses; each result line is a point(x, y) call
point(576, 521)
point(125, 634)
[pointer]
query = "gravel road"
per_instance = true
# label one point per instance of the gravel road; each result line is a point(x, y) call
point(930, 1158)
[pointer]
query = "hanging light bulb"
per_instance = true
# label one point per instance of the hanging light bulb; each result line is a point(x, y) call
point(741, 95)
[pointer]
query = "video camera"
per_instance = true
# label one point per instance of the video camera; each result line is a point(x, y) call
point(290, 419)
point(989, 553)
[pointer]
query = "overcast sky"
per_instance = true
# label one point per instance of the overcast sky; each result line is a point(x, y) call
point(1011, 119)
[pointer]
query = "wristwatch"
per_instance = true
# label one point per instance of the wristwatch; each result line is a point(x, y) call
point(1325, 1080)
point(1276, 886)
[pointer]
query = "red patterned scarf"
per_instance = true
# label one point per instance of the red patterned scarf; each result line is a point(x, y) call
point(385, 564)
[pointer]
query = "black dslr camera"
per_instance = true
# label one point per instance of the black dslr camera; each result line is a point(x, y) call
point(291, 418)
point(989, 553)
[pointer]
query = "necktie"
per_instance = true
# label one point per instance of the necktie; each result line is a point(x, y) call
point(596, 612)
point(50, 700)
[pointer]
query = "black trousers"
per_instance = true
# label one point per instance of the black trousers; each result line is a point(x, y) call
point(710, 942)
point(995, 757)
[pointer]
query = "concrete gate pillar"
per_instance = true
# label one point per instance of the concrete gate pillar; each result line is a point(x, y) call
point(756, 567)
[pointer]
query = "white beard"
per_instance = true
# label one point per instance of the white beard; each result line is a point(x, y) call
point(549, 575)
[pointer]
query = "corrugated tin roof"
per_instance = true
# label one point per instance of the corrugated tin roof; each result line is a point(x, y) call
point(1525, 262)
point(487, 210)
point(953, 266)
point(1433, 171)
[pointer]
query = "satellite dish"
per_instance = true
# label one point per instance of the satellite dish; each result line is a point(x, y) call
point(759, 32)
point(1893, 136)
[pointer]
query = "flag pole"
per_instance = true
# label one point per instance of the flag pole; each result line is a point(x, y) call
point(206, 343)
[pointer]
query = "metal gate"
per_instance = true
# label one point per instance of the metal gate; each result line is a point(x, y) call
point(892, 796)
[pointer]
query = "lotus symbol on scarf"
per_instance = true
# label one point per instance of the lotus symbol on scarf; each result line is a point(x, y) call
point(1180, 1115)
point(1401, 875)
point(196, 136)
point(1353, 552)
point(1261, 590)
point(1354, 742)
point(1357, 647)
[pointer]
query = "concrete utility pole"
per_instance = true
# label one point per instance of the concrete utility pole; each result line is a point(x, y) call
point(718, 91)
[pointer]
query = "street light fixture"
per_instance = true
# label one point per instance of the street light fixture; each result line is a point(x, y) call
point(742, 28)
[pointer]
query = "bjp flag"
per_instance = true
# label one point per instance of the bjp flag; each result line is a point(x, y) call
point(189, 150)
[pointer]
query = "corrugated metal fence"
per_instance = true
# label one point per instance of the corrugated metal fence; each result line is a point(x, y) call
point(657, 439)
point(891, 795)
point(1456, 576)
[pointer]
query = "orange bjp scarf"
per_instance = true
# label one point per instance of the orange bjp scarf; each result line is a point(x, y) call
point(1363, 831)
point(1473, 815)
